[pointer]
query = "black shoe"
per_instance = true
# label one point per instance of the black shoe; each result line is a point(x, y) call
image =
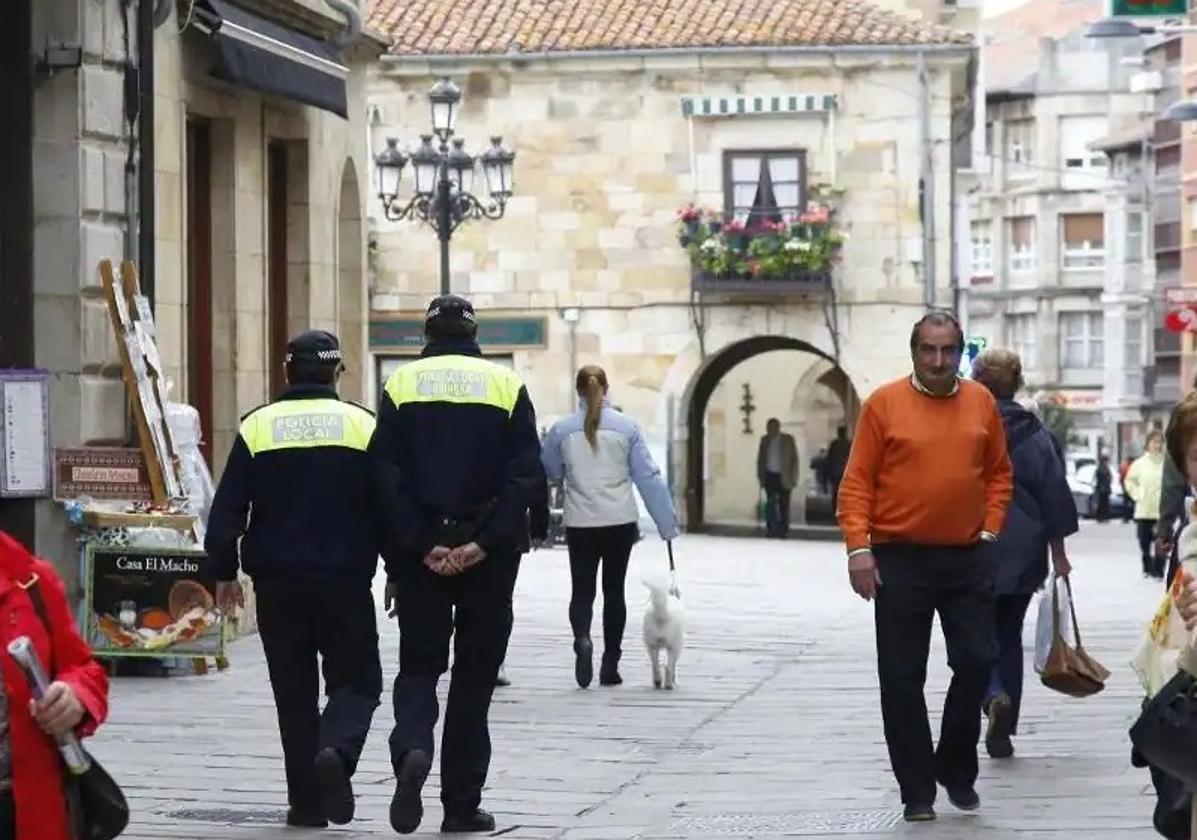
point(1001, 722)
point(336, 791)
point(501, 680)
point(476, 821)
point(304, 819)
point(919, 813)
point(407, 809)
point(610, 676)
point(584, 662)
point(964, 798)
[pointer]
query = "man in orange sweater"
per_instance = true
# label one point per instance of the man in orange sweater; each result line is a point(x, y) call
point(921, 503)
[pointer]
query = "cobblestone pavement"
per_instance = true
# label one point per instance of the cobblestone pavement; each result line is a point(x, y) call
point(774, 730)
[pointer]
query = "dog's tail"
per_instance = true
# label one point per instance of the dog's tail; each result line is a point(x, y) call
point(658, 593)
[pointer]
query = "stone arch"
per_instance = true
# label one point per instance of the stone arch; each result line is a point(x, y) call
point(351, 285)
point(698, 394)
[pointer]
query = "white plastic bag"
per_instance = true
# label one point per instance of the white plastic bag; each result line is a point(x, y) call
point(1043, 627)
point(1155, 661)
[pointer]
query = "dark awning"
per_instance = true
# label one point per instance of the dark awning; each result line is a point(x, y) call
point(265, 56)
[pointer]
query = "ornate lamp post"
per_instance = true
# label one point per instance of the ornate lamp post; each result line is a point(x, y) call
point(443, 172)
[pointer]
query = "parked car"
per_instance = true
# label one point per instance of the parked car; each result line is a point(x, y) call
point(1080, 482)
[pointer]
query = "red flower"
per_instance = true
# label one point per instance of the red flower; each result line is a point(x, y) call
point(735, 226)
point(689, 213)
point(815, 216)
point(754, 267)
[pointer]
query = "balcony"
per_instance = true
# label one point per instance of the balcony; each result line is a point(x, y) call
point(789, 284)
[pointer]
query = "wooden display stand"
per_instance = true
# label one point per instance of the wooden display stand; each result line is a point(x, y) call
point(142, 372)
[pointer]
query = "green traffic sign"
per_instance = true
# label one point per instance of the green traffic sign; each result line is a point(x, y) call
point(1150, 8)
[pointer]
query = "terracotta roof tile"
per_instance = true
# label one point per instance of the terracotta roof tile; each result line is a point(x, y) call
point(474, 27)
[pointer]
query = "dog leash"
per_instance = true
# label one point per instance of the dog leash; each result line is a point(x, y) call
point(677, 593)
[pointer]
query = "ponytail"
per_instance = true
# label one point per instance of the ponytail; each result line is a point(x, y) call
point(591, 385)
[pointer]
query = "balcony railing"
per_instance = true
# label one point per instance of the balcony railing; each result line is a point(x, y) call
point(793, 283)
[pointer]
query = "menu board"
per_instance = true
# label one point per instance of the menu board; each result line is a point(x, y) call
point(25, 434)
point(146, 602)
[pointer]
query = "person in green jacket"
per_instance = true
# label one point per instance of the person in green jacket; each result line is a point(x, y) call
point(1144, 483)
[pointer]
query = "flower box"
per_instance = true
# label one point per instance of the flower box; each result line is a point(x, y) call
point(794, 283)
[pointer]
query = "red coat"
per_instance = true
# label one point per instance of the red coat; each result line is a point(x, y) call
point(37, 767)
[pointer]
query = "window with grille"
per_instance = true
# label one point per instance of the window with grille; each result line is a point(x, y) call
point(1082, 346)
point(1083, 241)
point(764, 186)
point(1022, 244)
point(982, 248)
point(1021, 335)
point(1020, 148)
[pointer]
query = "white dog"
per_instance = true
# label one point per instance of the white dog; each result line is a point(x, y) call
point(664, 629)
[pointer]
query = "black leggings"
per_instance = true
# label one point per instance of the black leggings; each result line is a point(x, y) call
point(612, 547)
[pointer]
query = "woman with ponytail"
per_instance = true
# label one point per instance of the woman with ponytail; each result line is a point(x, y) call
point(600, 454)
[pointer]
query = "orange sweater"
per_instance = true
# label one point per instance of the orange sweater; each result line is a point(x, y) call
point(925, 470)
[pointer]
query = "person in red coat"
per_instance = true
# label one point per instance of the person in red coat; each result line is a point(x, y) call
point(32, 806)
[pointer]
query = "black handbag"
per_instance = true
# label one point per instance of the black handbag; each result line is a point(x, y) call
point(96, 804)
point(1166, 732)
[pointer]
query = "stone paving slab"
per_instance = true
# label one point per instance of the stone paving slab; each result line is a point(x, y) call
point(774, 730)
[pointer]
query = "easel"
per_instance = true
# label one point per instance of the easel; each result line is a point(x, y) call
point(141, 369)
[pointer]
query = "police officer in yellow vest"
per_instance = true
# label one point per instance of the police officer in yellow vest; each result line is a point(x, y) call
point(456, 453)
point(298, 494)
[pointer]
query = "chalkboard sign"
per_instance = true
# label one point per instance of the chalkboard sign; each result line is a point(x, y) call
point(143, 602)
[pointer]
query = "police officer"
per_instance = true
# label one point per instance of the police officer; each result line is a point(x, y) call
point(311, 546)
point(456, 454)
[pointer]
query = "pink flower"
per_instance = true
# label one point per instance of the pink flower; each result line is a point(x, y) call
point(816, 215)
point(689, 213)
point(754, 267)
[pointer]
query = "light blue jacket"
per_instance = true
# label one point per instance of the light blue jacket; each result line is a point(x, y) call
point(598, 481)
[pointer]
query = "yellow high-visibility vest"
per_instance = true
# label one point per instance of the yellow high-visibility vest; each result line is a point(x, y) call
point(465, 380)
point(307, 424)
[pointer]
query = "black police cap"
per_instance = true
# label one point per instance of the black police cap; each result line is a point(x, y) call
point(314, 347)
point(451, 307)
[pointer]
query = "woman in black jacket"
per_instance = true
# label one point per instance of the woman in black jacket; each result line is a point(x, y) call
point(1041, 514)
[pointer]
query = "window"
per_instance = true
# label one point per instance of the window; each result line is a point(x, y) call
point(1020, 145)
point(1134, 355)
point(1083, 244)
point(1076, 135)
point(1193, 213)
point(982, 246)
point(1022, 244)
point(1134, 237)
point(1020, 335)
point(764, 186)
point(1167, 161)
point(1081, 343)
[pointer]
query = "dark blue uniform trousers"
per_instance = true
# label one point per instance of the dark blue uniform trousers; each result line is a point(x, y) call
point(298, 619)
point(474, 610)
point(916, 583)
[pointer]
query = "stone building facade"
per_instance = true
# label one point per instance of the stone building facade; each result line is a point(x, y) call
point(256, 225)
point(612, 138)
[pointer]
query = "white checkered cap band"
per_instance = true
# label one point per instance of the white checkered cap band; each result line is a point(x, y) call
point(436, 310)
point(321, 355)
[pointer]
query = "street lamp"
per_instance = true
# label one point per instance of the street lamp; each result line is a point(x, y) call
point(1183, 111)
point(443, 175)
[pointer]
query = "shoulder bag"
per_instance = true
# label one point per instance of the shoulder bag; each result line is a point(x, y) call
point(1070, 670)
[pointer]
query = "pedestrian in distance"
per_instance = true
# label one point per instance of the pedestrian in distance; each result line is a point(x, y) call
point(1144, 485)
point(1040, 515)
point(923, 499)
point(777, 472)
point(295, 509)
point(1103, 482)
point(456, 456)
point(600, 454)
point(32, 801)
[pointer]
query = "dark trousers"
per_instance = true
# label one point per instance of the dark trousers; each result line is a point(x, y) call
point(473, 610)
point(1102, 514)
point(1145, 531)
point(298, 620)
point(1010, 612)
point(916, 583)
point(611, 547)
point(8, 816)
point(777, 506)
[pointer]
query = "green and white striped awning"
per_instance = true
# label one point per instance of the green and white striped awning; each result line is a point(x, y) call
point(781, 103)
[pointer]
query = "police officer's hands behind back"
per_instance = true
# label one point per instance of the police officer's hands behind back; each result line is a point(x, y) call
point(453, 561)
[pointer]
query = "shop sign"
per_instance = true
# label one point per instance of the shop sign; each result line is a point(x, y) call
point(145, 602)
point(102, 473)
point(1149, 8)
point(493, 333)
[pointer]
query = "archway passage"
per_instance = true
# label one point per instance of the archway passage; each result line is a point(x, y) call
point(824, 374)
